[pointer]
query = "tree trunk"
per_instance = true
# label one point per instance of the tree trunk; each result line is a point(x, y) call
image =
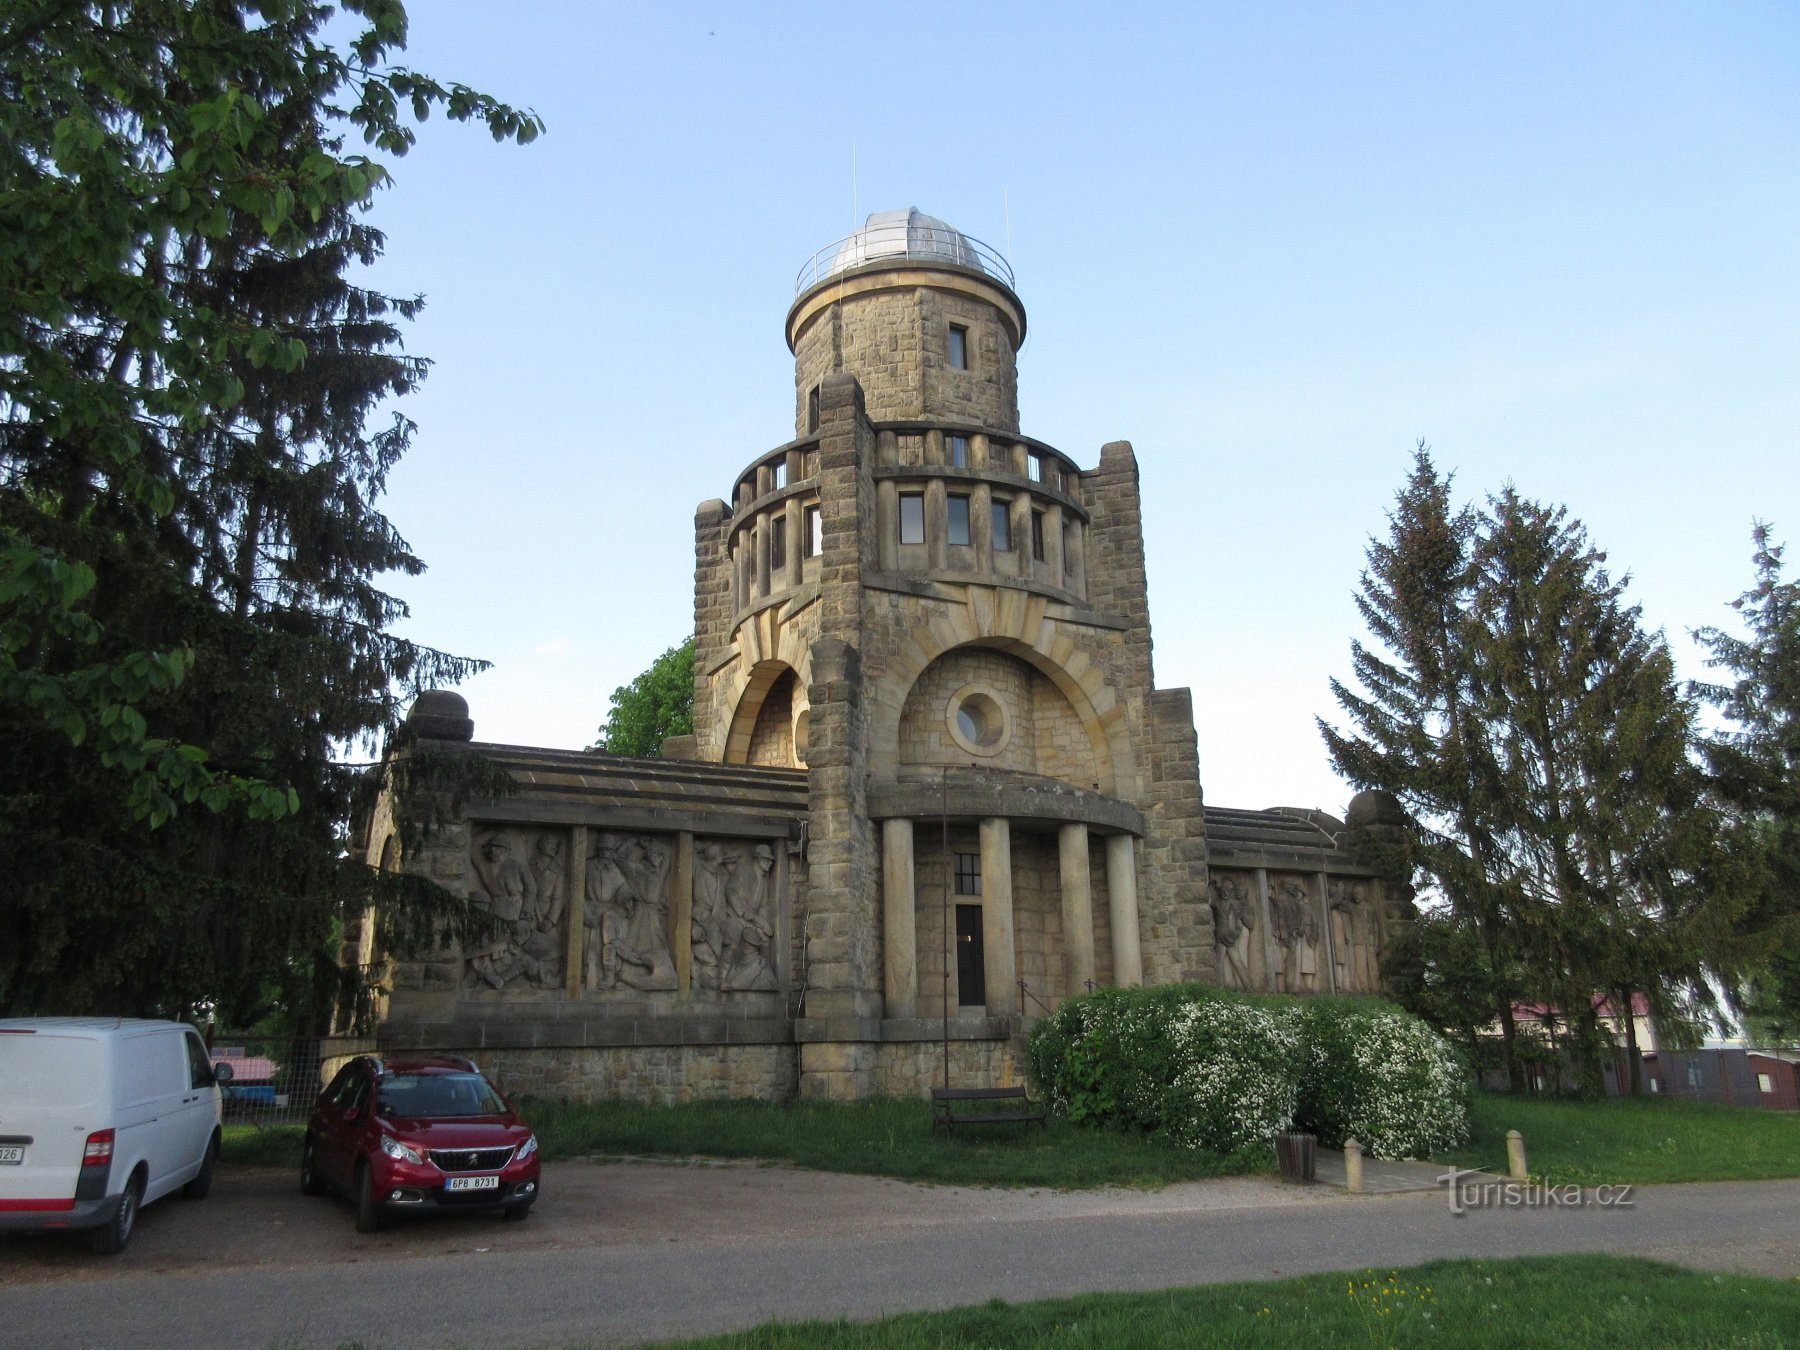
point(1634, 1083)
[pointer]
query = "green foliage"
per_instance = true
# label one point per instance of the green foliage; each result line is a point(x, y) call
point(1222, 1072)
point(1536, 734)
point(659, 703)
point(1754, 770)
point(190, 626)
point(1483, 1304)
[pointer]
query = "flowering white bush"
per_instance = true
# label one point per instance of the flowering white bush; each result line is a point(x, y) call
point(1388, 1080)
point(1211, 1070)
point(1235, 1085)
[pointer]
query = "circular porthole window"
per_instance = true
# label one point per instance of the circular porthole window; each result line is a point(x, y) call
point(802, 734)
point(978, 722)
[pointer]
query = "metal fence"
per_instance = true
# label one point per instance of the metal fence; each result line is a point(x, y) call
point(276, 1081)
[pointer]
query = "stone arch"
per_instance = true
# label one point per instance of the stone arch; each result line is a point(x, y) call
point(765, 678)
point(1011, 622)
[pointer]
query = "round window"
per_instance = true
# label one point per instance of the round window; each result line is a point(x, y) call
point(802, 733)
point(978, 723)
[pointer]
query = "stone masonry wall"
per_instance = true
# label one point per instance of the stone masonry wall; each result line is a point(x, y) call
point(664, 1075)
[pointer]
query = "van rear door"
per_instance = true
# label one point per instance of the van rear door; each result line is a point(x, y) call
point(52, 1096)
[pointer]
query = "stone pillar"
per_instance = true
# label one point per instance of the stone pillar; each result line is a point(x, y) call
point(997, 916)
point(1077, 909)
point(899, 909)
point(1122, 908)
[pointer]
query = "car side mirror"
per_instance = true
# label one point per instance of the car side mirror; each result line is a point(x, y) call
point(221, 1072)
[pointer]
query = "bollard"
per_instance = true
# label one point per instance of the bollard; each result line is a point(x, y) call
point(1353, 1177)
point(1515, 1155)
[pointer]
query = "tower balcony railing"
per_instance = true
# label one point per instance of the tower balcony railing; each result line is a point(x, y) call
point(902, 241)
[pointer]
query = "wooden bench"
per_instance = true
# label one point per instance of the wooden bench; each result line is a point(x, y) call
point(967, 1106)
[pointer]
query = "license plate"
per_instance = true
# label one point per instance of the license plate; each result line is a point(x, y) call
point(15, 1153)
point(472, 1184)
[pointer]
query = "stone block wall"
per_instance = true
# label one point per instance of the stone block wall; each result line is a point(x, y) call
point(663, 1075)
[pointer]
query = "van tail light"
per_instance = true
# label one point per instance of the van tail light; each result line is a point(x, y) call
point(98, 1152)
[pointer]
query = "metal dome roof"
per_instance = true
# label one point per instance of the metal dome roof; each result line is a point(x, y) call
point(903, 234)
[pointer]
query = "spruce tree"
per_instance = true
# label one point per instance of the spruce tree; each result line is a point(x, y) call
point(1754, 770)
point(192, 627)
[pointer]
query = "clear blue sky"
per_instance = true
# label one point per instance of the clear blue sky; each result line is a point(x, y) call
point(1271, 245)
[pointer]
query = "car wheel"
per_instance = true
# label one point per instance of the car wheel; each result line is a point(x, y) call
point(203, 1179)
point(368, 1213)
point(110, 1238)
point(311, 1183)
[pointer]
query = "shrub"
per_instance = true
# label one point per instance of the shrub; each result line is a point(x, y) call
point(1382, 1076)
point(1208, 1069)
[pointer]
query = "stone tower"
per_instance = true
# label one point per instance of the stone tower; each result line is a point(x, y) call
point(941, 618)
point(932, 788)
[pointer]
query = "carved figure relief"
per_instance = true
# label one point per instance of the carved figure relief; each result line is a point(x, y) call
point(734, 916)
point(1234, 927)
point(519, 881)
point(625, 914)
point(1295, 915)
point(1356, 935)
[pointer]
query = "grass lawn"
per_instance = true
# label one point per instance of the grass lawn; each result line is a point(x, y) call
point(1641, 1141)
point(888, 1137)
point(1558, 1300)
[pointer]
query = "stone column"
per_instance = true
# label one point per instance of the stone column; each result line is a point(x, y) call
point(899, 909)
point(1122, 908)
point(997, 916)
point(1077, 909)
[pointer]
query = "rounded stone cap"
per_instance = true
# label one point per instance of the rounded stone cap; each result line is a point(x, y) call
point(440, 715)
point(1375, 807)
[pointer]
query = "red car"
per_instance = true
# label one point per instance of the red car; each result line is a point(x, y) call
point(402, 1136)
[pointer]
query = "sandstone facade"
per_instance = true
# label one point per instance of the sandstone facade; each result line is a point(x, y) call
point(932, 787)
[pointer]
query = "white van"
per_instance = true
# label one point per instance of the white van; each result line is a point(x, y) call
point(99, 1116)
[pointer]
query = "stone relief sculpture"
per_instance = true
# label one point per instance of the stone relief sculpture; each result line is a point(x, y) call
point(519, 883)
point(734, 917)
point(1356, 935)
point(1295, 916)
point(1234, 926)
point(625, 914)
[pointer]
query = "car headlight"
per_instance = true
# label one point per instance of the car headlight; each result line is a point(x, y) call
point(526, 1149)
point(395, 1149)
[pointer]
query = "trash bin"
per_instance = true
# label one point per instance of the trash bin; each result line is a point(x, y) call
point(1296, 1156)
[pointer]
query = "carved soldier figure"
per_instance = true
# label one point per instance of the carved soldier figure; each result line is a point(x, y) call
point(709, 917)
point(1233, 925)
point(749, 964)
point(1297, 931)
point(508, 891)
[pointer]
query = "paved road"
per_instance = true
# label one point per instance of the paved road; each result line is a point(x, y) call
point(634, 1251)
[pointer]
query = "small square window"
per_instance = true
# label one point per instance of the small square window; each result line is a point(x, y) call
point(1037, 468)
point(814, 541)
point(812, 409)
point(912, 517)
point(779, 475)
point(1765, 1082)
point(1002, 526)
point(777, 544)
point(968, 874)
point(1037, 535)
point(958, 451)
point(959, 347)
point(959, 520)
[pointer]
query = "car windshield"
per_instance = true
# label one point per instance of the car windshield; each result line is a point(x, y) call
point(439, 1094)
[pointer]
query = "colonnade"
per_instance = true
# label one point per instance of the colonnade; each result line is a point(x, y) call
point(900, 909)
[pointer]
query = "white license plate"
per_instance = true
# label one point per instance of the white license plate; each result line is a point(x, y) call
point(15, 1153)
point(472, 1184)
